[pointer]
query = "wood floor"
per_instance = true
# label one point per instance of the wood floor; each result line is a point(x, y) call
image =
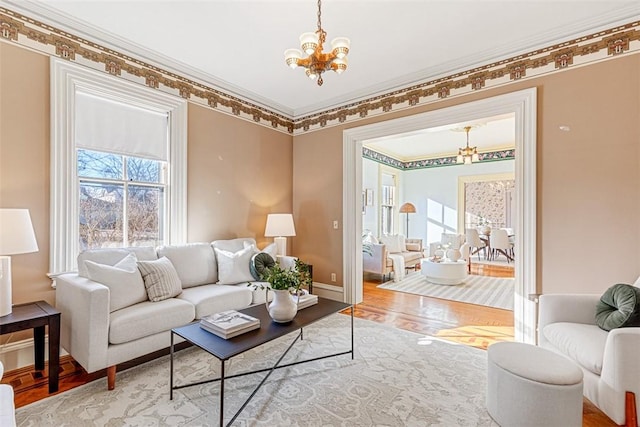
point(468, 324)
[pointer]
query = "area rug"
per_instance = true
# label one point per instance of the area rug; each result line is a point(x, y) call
point(397, 378)
point(482, 290)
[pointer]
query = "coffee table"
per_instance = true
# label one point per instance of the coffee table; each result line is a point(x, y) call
point(225, 349)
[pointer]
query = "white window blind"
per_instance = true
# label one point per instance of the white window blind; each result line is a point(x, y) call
point(103, 124)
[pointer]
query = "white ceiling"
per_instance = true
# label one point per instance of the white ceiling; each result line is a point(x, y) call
point(488, 134)
point(238, 45)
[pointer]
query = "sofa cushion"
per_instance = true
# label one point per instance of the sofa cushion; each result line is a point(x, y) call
point(581, 342)
point(619, 307)
point(195, 263)
point(209, 299)
point(260, 262)
point(234, 267)
point(160, 279)
point(111, 256)
point(148, 318)
point(123, 280)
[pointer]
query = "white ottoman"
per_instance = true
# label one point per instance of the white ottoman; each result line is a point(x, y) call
point(444, 272)
point(532, 386)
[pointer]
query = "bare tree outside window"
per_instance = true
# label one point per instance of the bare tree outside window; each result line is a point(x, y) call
point(122, 200)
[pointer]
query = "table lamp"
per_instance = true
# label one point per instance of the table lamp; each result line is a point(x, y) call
point(280, 226)
point(407, 208)
point(16, 237)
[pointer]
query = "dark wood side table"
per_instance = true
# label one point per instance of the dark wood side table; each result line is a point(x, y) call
point(37, 315)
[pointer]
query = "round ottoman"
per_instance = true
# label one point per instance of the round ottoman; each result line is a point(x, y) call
point(531, 386)
point(444, 272)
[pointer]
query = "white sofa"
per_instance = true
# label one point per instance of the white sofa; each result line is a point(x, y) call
point(102, 326)
point(7, 407)
point(378, 261)
point(609, 360)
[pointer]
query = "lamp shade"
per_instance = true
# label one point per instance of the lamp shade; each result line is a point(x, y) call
point(408, 208)
point(16, 232)
point(279, 225)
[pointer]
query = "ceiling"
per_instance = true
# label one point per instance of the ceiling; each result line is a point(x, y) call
point(237, 45)
point(488, 134)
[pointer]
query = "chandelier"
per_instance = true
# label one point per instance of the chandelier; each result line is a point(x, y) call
point(317, 62)
point(467, 155)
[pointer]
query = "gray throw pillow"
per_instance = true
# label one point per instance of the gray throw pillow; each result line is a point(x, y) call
point(619, 307)
point(160, 279)
point(259, 263)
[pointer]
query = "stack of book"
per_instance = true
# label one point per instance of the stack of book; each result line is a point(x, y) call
point(228, 324)
point(305, 300)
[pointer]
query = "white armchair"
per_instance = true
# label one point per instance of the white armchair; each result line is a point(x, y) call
point(609, 360)
point(7, 408)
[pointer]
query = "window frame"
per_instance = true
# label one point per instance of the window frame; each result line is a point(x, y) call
point(66, 80)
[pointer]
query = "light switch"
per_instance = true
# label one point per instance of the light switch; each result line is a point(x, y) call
point(335, 225)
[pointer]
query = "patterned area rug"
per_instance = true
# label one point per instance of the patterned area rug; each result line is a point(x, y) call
point(398, 378)
point(481, 290)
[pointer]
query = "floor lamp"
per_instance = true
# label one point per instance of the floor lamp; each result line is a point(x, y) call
point(280, 226)
point(407, 208)
point(16, 237)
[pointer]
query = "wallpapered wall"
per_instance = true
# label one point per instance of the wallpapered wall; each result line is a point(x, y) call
point(487, 200)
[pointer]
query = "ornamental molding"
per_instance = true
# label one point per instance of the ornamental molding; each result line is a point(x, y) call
point(27, 32)
point(489, 156)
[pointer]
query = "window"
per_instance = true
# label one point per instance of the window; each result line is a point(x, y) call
point(121, 200)
point(118, 164)
point(387, 204)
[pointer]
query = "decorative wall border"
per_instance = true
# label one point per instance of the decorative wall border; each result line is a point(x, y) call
point(598, 46)
point(25, 31)
point(489, 156)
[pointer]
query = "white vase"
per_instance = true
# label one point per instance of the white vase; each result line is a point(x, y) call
point(454, 255)
point(283, 308)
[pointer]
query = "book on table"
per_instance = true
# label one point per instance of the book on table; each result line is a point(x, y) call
point(230, 323)
point(306, 300)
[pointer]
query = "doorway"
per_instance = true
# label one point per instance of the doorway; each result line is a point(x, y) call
point(523, 105)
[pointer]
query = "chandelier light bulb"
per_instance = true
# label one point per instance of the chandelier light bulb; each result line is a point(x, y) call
point(340, 46)
point(291, 57)
point(339, 65)
point(474, 157)
point(311, 74)
point(309, 42)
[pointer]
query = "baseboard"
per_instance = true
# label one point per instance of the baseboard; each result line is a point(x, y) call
point(324, 290)
point(18, 354)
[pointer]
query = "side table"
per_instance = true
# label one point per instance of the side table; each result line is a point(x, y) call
point(37, 315)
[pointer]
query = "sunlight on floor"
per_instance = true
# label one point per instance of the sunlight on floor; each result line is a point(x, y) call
point(477, 336)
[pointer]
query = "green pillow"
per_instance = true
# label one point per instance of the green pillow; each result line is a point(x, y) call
point(619, 307)
point(259, 263)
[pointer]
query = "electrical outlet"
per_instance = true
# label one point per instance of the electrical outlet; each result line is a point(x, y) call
point(335, 225)
point(333, 277)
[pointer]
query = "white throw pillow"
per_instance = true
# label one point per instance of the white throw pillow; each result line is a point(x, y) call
point(234, 267)
point(271, 249)
point(160, 278)
point(124, 281)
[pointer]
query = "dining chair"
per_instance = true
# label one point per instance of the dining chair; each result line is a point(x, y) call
point(499, 243)
point(475, 243)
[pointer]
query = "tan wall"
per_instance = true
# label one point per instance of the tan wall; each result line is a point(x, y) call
point(588, 179)
point(24, 161)
point(238, 171)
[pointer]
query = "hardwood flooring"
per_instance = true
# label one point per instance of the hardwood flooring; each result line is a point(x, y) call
point(467, 324)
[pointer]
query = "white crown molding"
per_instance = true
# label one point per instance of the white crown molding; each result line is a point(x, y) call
point(620, 16)
point(80, 28)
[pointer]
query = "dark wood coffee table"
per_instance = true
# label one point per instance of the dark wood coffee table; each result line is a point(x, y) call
point(225, 349)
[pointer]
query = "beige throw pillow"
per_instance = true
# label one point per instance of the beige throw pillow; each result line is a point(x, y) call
point(123, 280)
point(160, 279)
